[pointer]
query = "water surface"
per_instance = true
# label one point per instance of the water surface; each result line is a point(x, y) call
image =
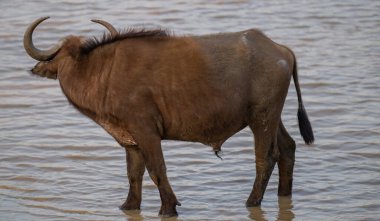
point(55, 164)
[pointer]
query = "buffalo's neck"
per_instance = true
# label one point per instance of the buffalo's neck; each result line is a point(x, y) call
point(84, 84)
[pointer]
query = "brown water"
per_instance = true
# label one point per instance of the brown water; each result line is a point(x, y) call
point(55, 164)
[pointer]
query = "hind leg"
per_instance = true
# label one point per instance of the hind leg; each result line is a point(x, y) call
point(264, 126)
point(287, 149)
point(135, 169)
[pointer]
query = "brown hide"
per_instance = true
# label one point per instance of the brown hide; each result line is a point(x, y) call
point(194, 89)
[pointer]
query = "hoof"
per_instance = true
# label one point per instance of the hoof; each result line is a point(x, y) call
point(168, 214)
point(253, 203)
point(284, 193)
point(285, 189)
point(129, 206)
point(169, 211)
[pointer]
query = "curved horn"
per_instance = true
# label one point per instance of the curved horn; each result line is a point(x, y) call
point(40, 55)
point(107, 25)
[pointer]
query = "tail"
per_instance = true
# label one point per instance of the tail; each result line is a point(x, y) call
point(303, 120)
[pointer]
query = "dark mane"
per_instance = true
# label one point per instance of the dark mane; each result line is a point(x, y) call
point(107, 38)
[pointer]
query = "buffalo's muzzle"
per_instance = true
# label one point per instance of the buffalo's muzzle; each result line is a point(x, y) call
point(41, 69)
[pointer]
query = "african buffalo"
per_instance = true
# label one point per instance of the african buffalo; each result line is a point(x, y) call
point(144, 86)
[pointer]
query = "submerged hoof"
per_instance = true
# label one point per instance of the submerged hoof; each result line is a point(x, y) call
point(169, 210)
point(130, 206)
point(284, 192)
point(253, 203)
point(168, 213)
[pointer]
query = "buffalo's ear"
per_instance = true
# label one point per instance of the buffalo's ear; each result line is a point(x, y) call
point(73, 47)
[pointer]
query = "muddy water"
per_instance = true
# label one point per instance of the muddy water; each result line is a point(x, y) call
point(56, 164)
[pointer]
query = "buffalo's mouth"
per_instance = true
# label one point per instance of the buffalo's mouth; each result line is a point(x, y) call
point(42, 69)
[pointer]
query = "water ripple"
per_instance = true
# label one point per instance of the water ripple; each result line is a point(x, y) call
point(56, 164)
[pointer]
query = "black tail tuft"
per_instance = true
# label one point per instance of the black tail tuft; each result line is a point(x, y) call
point(303, 120)
point(305, 126)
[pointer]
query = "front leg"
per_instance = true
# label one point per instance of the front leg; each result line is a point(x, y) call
point(136, 169)
point(145, 126)
point(155, 164)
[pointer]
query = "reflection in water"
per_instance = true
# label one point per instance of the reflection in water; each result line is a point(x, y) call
point(169, 219)
point(133, 215)
point(256, 213)
point(285, 207)
point(285, 212)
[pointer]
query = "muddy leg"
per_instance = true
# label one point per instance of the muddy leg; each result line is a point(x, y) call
point(266, 151)
point(136, 169)
point(155, 164)
point(287, 149)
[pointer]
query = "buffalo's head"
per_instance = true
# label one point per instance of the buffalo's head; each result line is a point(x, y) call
point(66, 51)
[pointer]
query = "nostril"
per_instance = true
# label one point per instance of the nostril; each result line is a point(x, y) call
point(34, 70)
point(40, 69)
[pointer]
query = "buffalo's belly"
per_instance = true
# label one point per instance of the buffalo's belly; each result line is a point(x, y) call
point(212, 130)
